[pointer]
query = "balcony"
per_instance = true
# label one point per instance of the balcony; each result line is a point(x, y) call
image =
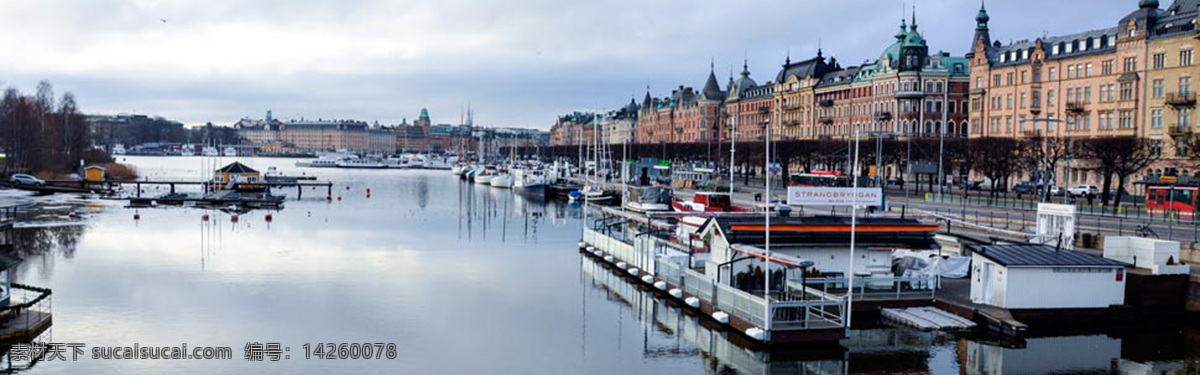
point(791, 122)
point(791, 107)
point(883, 116)
point(826, 120)
point(1180, 130)
point(910, 94)
point(1076, 107)
point(1181, 100)
point(826, 103)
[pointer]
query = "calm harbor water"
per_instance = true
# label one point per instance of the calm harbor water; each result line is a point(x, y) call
point(464, 279)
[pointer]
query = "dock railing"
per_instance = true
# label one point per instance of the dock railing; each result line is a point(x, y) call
point(871, 288)
point(27, 307)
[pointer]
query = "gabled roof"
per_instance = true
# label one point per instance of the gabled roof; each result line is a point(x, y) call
point(1041, 255)
point(236, 167)
point(811, 68)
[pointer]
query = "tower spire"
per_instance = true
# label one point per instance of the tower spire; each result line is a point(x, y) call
point(914, 16)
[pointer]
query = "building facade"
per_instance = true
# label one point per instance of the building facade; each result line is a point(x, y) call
point(1133, 79)
point(748, 107)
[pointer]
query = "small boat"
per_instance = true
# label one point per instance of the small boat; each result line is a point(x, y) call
point(187, 150)
point(328, 160)
point(529, 182)
point(503, 180)
point(458, 170)
point(229, 151)
point(591, 194)
point(437, 163)
point(647, 199)
point(211, 151)
point(118, 150)
point(706, 201)
point(484, 176)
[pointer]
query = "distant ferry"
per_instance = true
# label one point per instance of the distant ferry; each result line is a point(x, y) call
point(368, 163)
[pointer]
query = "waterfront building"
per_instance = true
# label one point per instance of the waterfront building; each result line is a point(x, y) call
point(381, 140)
point(686, 116)
point(795, 102)
point(907, 92)
point(1106, 82)
point(619, 125)
point(574, 129)
point(748, 106)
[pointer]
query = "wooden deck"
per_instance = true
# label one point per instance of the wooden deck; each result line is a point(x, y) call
point(24, 326)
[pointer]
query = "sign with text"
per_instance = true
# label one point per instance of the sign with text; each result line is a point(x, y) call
point(834, 196)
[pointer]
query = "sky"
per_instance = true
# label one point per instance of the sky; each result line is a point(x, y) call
point(519, 63)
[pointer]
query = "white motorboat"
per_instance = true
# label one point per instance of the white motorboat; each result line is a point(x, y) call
point(484, 176)
point(504, 180)
point(187, 150)
point(118, 150)
point(438, 163)
point(647, 199)
point(229, 151)
point(530, 182)
point(365, 163)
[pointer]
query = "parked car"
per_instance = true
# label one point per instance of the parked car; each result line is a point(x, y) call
point(1024, 188)
point(1083, 190)
point(1058, 191)
point(27, 180)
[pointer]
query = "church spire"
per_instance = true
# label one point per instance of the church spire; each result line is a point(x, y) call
point(914, 17)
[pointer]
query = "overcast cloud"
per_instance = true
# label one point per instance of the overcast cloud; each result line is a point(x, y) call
point(520, 63)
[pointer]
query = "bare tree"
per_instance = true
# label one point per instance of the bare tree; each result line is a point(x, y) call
point(996, 158)
point(1043, 153)
point(1120, 157)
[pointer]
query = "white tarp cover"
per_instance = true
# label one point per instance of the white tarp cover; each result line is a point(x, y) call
point(916, 263)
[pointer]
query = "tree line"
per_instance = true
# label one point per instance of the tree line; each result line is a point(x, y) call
point(41, 134)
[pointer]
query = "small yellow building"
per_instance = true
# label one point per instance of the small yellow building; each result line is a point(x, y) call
point(242, 177)
point(95, 173)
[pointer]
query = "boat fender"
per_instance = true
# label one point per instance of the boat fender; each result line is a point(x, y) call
point(721, 317)
point(756, 333)
point(137, 216)
point(270, 217)
point(204, 217)
point(233, 218)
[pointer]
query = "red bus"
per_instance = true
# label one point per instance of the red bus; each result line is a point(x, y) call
point(1162, 200)
point(821, 179)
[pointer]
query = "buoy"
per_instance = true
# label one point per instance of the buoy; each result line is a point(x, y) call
point(233, 218)
point(72, 215)
point(622, 265)
point(634, 271)
point(204, 217)
point(137, 216)
point(270, 217)
point(676, 293)
point(692, 301)
point(347, 187)
point(328, 197)
point(339, 197)
point(368, 191)
point(661, 285)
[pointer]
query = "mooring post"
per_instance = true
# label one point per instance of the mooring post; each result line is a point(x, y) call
point(172, 189)
point(138, 186)
point(299, 191)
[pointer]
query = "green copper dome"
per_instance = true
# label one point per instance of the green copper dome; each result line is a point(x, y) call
point(1152, 4)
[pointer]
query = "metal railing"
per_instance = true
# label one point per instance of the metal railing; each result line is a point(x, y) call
point(870, 288)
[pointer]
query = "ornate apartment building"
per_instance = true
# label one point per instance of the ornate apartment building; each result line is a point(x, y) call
point(1132, 79)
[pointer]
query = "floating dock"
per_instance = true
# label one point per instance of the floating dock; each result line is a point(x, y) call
point(928, 318)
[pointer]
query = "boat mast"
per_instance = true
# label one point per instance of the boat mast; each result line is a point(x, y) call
point(767, 232)
point(853, 231)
